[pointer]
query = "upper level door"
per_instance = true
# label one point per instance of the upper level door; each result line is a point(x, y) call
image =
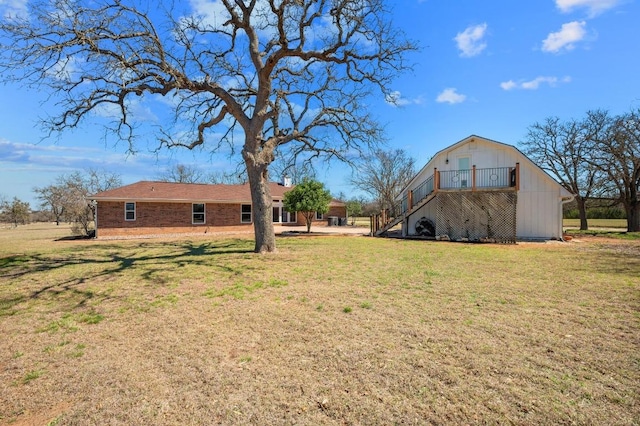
point(464, 172)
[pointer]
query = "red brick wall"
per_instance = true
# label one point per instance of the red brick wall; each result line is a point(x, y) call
point(166, 218)
point(152, 218)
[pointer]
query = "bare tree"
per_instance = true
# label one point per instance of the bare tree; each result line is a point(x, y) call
point(383, 175)
point(293, 167)
point(617, 155)
point(228, 178)
point(79, 187)
point(182, 173)
point(69, 198)
point(271, 72)
point(52, 197)
point(563, 149)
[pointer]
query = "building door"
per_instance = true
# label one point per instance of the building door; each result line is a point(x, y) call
point(464, 173)
point(280, 215)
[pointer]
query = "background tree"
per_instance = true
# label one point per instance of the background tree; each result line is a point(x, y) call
point(52, 198)
point(227, 178)
point(383, 175)
point(563, 150)
point(274, 73)
point(307, 198)
point(354, 207)
point(16, 211)
point(293, 167)
point(69, 196)
point(78, 187)
point(182, 173)
point(617, 155)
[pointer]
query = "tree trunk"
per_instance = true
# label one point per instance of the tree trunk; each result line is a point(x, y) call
point(261, 206)
point(582, 211)
point(308, 218)
point(633, 217)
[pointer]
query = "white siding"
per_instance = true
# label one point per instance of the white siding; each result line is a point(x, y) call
point(427, 211)
point(539, 208)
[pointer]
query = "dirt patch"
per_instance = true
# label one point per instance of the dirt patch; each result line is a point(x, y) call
point(44, 417)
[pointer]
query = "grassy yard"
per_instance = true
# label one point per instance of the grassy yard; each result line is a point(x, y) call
point(330, 330)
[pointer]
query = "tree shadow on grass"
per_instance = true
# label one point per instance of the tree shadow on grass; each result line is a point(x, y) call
point(619, 258)
point(72, 272)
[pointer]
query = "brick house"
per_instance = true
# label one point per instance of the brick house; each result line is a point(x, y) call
point(147, 207)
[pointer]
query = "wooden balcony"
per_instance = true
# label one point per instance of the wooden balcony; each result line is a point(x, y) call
point(474, 179)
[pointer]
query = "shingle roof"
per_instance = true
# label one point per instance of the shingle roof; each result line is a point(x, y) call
point(186, 192)
point(171, 191)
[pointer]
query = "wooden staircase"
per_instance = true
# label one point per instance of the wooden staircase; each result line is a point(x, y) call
point(401, 217)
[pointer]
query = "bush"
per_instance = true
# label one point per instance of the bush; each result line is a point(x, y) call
point(606, 213)
point(597, 213)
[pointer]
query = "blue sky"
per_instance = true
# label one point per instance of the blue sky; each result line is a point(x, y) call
point(490, 68)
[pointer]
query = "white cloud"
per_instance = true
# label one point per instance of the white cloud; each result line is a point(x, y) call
point(213, 13)
point(470, 41)
point(14, 8)
point(534, 84)
point(450, 96)
point(397, 100)
point(569, 34)
point(594, 7)
point(509, 85)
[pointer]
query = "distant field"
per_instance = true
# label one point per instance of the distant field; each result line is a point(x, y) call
point(328, 331)
point(596, 223)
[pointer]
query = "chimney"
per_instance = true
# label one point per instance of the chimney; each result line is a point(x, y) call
point(286, 181)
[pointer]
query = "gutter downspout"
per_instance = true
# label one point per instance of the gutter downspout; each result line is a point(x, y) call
point(563, 201)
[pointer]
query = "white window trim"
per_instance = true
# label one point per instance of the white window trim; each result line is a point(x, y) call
point(204, 214)
point(126, 211)
point(242, 213)
point(319, 216)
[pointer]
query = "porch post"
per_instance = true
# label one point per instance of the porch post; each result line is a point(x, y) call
point(473, 178)
point(436, 179)
point(410, 201)
point(517, 176)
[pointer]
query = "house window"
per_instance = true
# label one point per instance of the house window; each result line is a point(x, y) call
point(129, 211)
point(319, 216)
point(197, 213)
point(245, 215)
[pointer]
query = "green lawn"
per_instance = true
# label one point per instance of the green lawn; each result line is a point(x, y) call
point(329, 330)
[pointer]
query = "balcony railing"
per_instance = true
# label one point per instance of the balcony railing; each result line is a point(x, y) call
point(496, 177)
point(471, 179)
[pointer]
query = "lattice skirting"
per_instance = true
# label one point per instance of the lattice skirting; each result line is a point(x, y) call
point(477, 216)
